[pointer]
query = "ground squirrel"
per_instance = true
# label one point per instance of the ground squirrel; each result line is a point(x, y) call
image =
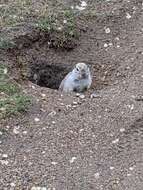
point(78, 80)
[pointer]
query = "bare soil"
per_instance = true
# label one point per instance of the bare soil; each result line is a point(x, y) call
point(67, 142)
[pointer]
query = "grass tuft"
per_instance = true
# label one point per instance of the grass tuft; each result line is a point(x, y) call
point(6, 44)
point(12, 101)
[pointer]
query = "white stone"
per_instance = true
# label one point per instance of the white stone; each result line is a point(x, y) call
point(131, 168)
point(97, 175)
point(81, 130)
point(64, 21)
point(107, 30)
point(75, 103)
point(12, 184)
point(122, 130)
point(5, 71)
point(52, 113)
point(83, 4)
point(73, 159)
point(24, 132)
point(78, 94)
point(80, 8)
point(82, 96)
point(59, 28)
point(54, 163)
point(105, 45)
point(128, 16)
point(117, 38)
point(33, 87)
point(36, 119)
point(94, 95)
point(111, 168)
point(115, 141)
point(16, 130)
point(5, 156)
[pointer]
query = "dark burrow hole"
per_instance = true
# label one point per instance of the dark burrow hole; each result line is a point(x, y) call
point(48, 75)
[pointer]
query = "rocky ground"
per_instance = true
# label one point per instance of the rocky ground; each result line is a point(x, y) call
point(81, 142)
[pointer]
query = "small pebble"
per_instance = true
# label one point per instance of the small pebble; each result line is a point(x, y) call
point(122, 130)
point(117, 38)
point(131, 168)
point(111, 168)
point(5, 71)
point(82, 96)
point(83, 4)
point(1, 132)
point(16, 130)
point(68, 106)
point(36, 119)
point(115, 141)
point(97, 175)
point(54, 163)
point(81, 130)
point(105, 45)
point(107, 30)
point(75, 103)
point(12, 184)
point(59, 28)
point(73, 159)
point(78, 94)
point(94, 95)
point(4, 156)
point(80, 8)
point(128, 16)
point(52, 113)
point(33, 87)
point(64, 21)
point(43, 95)
point(24, 132)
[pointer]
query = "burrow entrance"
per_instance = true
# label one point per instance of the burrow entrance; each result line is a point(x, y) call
point(48, 75)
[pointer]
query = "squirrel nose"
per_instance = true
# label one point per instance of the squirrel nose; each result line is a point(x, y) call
point(84, 75)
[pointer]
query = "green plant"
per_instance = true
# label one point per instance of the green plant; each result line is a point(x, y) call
point(13, 105)
point(70, 26)
point(6, 43)
point(12, 101)
point(47, 23)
